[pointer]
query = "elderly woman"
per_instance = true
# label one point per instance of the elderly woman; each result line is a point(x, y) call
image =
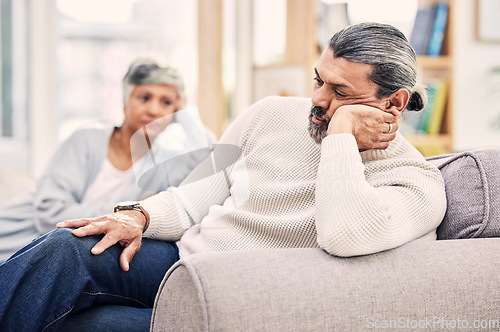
point(101, 165)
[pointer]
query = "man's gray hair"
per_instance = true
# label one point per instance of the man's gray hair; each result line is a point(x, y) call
point(389, 52)
point(148, 71)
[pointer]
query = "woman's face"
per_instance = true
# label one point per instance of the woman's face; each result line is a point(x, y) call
point(152, 105)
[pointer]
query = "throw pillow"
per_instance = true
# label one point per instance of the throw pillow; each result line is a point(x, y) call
point(472, 182)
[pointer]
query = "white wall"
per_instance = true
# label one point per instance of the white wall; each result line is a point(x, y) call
point(477, 90)
point(41, 100)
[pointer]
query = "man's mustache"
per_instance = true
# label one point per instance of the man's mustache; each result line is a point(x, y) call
point(318, 111)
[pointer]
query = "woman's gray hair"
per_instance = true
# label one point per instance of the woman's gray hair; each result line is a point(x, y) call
point(389, 52)
point(148, 71)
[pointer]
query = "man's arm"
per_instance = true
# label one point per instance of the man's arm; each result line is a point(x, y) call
point(395, 196)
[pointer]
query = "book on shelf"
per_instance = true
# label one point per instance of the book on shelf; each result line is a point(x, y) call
point(430, 119)
point(429, 28)
point(432, 87)
point(437, 35)
point(422, 29)
point(438, 108)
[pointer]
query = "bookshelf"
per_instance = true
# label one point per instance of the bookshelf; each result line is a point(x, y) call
point(438, 67)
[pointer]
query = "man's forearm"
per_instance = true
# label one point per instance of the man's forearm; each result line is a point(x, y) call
point(366, 208)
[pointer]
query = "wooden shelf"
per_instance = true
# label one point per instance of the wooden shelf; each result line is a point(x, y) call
point(430, 145)
point(435, 62)
point(440, 67)
point(423, 139)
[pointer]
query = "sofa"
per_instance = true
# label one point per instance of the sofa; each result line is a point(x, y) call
point(447, 284)
point(12, 184)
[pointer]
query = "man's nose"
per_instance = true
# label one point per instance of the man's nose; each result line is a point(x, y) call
point(320, 98)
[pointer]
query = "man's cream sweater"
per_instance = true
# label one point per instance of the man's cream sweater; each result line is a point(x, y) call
point(288, 191)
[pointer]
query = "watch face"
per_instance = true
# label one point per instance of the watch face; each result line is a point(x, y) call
point(128, 205)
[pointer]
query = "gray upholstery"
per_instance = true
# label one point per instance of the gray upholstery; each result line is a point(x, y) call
point(472, 182)
point(309, 290)
point(423, 284)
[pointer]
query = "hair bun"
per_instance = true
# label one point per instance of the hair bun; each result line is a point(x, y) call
point(418, 99)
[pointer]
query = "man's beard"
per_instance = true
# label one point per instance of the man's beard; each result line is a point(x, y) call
point(318, 132)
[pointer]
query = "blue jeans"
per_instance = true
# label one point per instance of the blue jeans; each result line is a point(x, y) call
point(56, 278)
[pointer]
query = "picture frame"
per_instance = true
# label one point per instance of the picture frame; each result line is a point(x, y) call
point(280, 80)
point(488, 20)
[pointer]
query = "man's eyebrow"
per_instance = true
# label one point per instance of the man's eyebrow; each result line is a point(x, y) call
point(339, 85)
point(316, 71)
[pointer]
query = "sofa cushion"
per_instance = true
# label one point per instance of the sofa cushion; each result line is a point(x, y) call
point(472, 182)
point(13, 184)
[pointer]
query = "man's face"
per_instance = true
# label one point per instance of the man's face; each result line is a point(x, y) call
point(339, 82)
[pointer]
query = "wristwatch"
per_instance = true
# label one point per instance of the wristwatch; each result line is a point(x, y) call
point(133, 205)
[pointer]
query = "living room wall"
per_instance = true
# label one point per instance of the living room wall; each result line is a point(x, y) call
point(477, 83)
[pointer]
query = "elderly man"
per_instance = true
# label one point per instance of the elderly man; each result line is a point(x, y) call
point(330, 172)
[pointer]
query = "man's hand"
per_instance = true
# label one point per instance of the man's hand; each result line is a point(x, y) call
point(369, 125)
point(123, 227)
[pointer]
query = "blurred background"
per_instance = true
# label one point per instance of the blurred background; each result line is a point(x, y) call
point(62, 62)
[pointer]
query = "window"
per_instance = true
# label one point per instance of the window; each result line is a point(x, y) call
point(96, 40)
point(13, 85)
point(399, 13)
point(87, 47)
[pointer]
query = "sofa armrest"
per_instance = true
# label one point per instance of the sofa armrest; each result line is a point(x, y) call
point(422, 282)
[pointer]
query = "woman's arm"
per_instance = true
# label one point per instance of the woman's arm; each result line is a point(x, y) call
point(60, 189)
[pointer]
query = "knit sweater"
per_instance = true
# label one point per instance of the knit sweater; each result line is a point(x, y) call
point(288, 191)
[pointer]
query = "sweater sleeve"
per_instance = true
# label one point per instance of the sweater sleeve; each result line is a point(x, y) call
point(363, 208)
point(178, 208)
point(175, 210)
point(61, 187)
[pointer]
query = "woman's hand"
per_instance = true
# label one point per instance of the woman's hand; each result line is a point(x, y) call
point(123, 227)
point(369, 125)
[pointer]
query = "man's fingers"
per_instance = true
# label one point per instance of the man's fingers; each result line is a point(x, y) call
point(107, 241)
point(128, 253)
point(94, 228)
point(389, 117)
point(75, 223)
point(395, 127)
point(390, 128)
point(387, 138)
point(124, 263)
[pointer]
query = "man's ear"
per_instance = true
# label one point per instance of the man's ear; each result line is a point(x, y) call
point(399, 99)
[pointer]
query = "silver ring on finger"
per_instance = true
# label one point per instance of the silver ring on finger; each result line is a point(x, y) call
point(390, 128)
